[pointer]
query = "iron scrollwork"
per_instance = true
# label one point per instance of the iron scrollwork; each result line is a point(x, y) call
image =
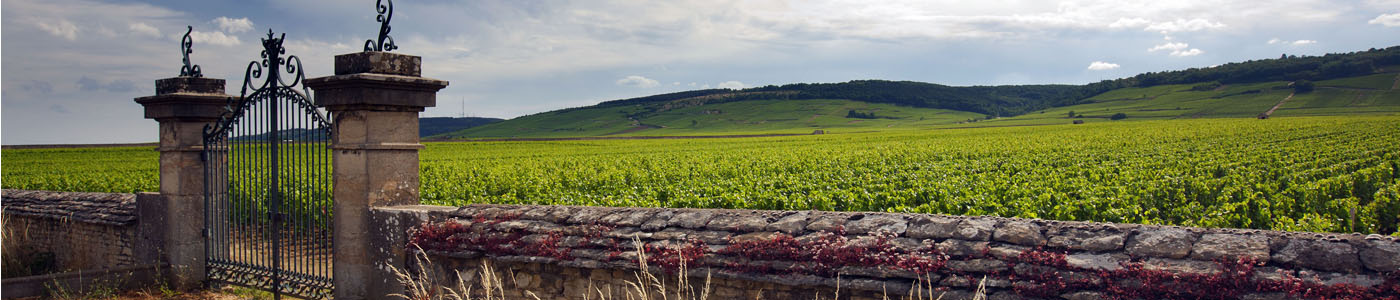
point(186, 44)
point(385, 43)
point(273, 86)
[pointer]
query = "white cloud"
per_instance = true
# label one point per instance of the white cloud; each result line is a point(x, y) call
point(1183, 25)
point(1129, 23)
point(1168, 46)
point(638, 81)
point(212, 38)
point(59, 28)
point(1276, 41)
point(143, 29)
point(1176, 49)
point(232, 25)
point(1387, 20)
point(731, 85)
point(1192, 52)
point(1100, 66)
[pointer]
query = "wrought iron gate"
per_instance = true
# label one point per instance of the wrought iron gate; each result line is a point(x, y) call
point(268, 184)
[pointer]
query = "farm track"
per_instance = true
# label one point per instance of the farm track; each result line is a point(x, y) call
point(1280, 104)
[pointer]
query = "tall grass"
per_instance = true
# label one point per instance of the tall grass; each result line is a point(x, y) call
point(424, 284)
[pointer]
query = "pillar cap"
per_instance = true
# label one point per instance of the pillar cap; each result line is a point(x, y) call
point(378, 63)
point(375, 80)
point(185, 84)
point(187, 98)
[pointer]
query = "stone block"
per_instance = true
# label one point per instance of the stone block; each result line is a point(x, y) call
point(379, 63)
point(963, 248)
point(1020, 233)
point(1320, 255)
point(975, 229)
point(692, 219)
point(1088, 240)
point(872, 223)
point(1163, 242)
point(1107, 262)
point(1231, 246)
point(793, 224)
point(189, 85)
point(827, 222)
point(1181, 266)
point(742, 222)
point(977, 265)
point(1381, 255)
point(924, 227)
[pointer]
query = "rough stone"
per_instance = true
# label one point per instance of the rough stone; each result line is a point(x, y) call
point(1081, 239)
point(792, 224)
point(1083, 295)
point(1231, 246)
point(1109, 262)
point(692, 219)
point(1354, 279)
point(975, 229)
point(378, 62)
point(826, 222)
point(963, 248)
point(873, 223)
point(1181, 266)
point(1007, 252)
point(755, 237)
point(658, 221)
point(738, 222)
point(1020, 233)
point(977, 265)
point(1320, 255)
point(932, 227)
point(1381, 255)
point(1167, 242)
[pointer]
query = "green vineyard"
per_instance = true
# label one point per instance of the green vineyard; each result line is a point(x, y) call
point(1326, 174)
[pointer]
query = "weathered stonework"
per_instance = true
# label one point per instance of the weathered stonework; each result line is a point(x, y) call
point(804, 251)
point(374, 98)
point(71, 231)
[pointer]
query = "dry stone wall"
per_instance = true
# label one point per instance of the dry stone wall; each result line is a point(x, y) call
point(58, 231)
point(559, 252)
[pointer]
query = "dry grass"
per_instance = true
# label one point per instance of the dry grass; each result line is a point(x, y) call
point(423, 285)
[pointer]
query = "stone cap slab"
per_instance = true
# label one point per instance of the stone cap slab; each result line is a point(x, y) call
point(196, 85)
point(378, 63)
point(373, 89)
point(97, 208)
point(184, 105)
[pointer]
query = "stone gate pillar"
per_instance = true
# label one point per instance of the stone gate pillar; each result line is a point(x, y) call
point(374, 99)
point(182, 106)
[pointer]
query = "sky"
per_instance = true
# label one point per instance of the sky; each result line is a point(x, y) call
point(72, 67)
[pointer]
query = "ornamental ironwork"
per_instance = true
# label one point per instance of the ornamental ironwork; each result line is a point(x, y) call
point(186, 45)
point(268, 183)
point(385, 42)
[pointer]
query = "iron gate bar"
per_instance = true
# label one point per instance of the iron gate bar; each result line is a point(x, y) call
point(255, 237)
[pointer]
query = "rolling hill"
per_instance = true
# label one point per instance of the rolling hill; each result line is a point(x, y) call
point(1348, 83)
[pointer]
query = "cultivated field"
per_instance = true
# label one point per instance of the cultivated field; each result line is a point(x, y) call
point(1335, 174)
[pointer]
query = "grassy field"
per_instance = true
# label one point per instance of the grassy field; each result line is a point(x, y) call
point(744, 117)
point(1285, 173)
point(1351, 96)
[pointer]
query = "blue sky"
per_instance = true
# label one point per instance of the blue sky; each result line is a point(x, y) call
point(71, 67)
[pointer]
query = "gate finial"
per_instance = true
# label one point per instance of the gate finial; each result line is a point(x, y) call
point(386, 43)
point(186, 44)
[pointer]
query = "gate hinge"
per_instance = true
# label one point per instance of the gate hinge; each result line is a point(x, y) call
point(203, 156)
point(204, 232)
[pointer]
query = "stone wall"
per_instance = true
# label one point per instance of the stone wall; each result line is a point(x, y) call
point(562, 252)
point(56, 232)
